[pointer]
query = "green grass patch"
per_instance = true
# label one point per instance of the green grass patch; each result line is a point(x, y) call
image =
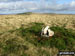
point(63, 38)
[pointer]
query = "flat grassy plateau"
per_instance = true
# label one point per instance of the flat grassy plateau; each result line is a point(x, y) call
point(19, 34)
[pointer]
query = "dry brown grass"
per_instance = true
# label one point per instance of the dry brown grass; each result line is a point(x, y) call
point(11, 22)
point(8, 22)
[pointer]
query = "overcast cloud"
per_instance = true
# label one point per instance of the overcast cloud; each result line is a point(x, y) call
point(44, 6)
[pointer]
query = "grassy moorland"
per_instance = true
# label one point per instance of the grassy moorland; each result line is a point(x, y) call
point(19, 34)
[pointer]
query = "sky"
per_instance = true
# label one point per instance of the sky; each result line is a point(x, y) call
point(37, 6)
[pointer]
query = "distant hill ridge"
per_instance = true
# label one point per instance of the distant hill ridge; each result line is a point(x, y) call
point(27, 13)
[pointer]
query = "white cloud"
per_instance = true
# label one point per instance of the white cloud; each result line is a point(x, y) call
point(9, 0)
point(70, 6)
point(73, 3)
point(25, 6)
point(17, 5)
point(62, 7)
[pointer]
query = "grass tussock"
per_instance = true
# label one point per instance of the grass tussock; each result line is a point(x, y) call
point(26, 39)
